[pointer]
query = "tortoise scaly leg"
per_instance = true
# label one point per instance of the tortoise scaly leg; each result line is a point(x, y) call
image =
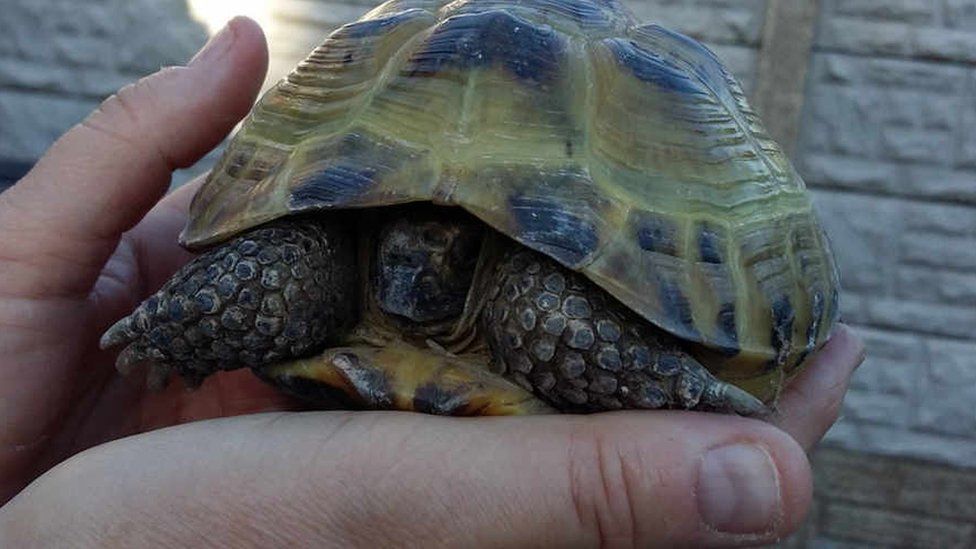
point(399, 377)
point(552, 330)
point(279, 291)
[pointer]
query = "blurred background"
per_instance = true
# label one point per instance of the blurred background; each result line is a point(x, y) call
point(874, 99)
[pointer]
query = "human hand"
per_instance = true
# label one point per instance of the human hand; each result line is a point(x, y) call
point(75, 256)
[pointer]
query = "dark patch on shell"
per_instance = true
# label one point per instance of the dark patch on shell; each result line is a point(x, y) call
point(337, 184)
point(783, 317)
point(527, 51)
point(728, 335)
point(676, 306)
point(813, 330)
point(650, 67)
point(359, 162)
point(657, 234)
point(709, 244)
point(548, 226)
point(376, 27)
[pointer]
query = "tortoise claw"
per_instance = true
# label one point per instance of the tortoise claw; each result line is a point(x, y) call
point(129, 358)
point(118, 334)
point(135, 355)
point(726, 397)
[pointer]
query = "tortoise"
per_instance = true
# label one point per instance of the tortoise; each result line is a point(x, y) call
point(499, 207)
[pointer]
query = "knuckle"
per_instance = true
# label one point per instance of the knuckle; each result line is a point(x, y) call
point(119, 110)
point(602, 482)
point(127, 115)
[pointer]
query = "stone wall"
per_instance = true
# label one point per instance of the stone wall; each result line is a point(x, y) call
point(59, 58)
point(887, 142)
point(868, 500)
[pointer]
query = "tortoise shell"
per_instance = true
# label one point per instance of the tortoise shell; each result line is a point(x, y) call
point(626, 152)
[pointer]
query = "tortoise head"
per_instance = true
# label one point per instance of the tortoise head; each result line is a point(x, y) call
point(424, 265)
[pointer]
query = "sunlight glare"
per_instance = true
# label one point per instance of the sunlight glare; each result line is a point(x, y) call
point(215, 13)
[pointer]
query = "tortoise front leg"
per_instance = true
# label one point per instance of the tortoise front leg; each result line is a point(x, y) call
point(398, 377)
point(279, 291)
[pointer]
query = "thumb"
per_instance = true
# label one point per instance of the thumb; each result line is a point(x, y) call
point(379, 479)
point(59, 224)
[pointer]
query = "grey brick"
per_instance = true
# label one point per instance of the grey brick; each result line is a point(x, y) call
point(904, 144)
point(91, 82)
point(960, 14)
point(893, 366)
point(920, 110)
point(896, 441)
point(840, 475)
point(926, 318)
point(864, 37)
point(957, 288)
point(938, 490)
point(133, 36)
point(936, 285)
point(870, 407)
point(82, 51)
point(943, 219)
point(904, 11)
point(883, 390)
point(966, 153)
point(863, 239)
point(889, 73)
point(923, 487)
point(879, 177)
point(939, 183)
point(856, 523)
point(842, 120)
point(723, 25)
point(948, 390)
point(945, 44)
point(30, 123)
point(945, 252)
point(866, 176)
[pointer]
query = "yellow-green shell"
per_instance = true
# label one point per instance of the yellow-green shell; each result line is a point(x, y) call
point(626, 152)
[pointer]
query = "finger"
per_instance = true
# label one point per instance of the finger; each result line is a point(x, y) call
point(64, 218)
point(315, 479)
point(812, 402)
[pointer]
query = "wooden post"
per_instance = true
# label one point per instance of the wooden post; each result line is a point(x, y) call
point(783, 60)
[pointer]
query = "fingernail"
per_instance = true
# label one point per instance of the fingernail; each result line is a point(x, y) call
point(215, 47)
point(738, 489)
